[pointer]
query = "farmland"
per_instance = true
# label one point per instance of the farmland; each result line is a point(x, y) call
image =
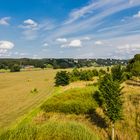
point(22, 95)
point(17, 95)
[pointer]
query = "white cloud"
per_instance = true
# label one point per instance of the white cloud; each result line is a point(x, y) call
point(29, 23)
point(86, 38)
point(45, 45)
point(137, 15)
point(30, 28)
point(98, 42)
point(61, 40)
point(6, 44)
point(30, 34)
point(129, 47)
point(75, 43)
point(4, 21)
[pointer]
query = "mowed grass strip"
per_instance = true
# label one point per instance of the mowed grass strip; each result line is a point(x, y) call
point(16, 97)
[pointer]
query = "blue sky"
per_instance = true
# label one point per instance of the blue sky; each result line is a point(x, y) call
point(69, 29)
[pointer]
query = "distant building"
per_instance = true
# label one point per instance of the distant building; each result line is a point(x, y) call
point(28, 67)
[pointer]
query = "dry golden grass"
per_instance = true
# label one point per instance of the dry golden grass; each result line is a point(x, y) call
point(125, 129)
point(16, 98)
point(79, 84)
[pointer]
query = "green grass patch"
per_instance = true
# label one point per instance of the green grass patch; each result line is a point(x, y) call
point(77, 101)
point(50, 131)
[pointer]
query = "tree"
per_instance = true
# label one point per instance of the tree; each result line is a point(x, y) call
point(134, 65)
point(117, 72)
point(62, 78)
point(15, 68)
point(107, 69)
point(110, 99)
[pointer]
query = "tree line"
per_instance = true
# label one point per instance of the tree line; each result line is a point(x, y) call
point(58, 63)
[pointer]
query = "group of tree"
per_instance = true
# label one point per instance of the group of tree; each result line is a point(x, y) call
point(59, 63)
point(64, 78)
point(109, 95)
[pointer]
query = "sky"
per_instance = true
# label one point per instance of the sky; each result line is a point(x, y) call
point(69, 28)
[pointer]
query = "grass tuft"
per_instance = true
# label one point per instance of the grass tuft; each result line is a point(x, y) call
point(73, 101)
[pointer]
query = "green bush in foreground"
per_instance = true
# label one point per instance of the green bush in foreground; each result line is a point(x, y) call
point(62, 78)
point(50, 131)
point(75, 101)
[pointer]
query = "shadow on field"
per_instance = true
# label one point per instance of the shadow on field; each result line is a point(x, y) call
point(98, 120)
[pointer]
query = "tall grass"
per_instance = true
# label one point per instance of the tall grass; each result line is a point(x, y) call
point(77, 101)
point(50, 131)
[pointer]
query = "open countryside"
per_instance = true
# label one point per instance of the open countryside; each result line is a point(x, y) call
point(70, 70)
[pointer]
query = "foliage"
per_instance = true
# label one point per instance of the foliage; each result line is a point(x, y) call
point(50, 131)
point(62, 78)
point(15, 68)
point(35, 90)
point(75, 75)
point(59, 63)
point(102, 72)
point(95, 72)
point(134, 65)
point(107, 69)
point(85, 75)
point(117, 73)
point(110, 97)
point(75, 101)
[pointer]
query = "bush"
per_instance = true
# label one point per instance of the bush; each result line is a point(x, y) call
point(15, 68)
point(50, 131)
point(62, 78)
point(134, 65)
point(117, 72)
point(35, 90)
point(86, 75)
point(75, 75)
point(126, 76)
point(95, 72)
point(75, 101)
point(102, 72)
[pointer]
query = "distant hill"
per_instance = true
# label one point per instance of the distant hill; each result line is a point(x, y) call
point(6, 63)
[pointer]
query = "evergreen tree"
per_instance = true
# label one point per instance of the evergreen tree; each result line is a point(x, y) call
point(117, 72)
point(110, 99)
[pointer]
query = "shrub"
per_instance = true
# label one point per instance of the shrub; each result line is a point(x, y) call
point(62, 78)
point(102, 72)
point(50, 131)
point(75, 75)
point(86, 75)
point(107, 69)
point(75, 101)
point(126, 76)
point(35, 90)
point(134, 65)
point(95, 72)
point(117, 72)
point(15, 68)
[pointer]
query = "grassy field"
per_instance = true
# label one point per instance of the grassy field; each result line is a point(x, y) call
point(20, 92)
